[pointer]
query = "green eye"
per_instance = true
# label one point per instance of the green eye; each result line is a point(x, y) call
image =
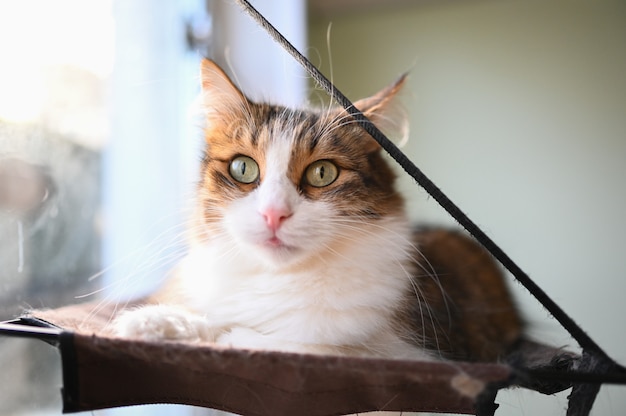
point(244, 169)
point(321, 173)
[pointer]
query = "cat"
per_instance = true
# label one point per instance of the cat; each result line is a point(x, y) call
point(301, 243)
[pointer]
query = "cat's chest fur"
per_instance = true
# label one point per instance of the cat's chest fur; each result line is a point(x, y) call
point(345, 298)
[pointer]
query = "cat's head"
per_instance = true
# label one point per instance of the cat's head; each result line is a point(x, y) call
point(287, 185)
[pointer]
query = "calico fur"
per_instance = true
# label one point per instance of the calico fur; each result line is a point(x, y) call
point(278, 262)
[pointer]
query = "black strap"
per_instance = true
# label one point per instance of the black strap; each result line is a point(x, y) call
point(29, 327)
point(583, 339)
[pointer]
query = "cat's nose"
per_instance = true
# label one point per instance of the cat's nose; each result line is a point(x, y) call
point(274, 217)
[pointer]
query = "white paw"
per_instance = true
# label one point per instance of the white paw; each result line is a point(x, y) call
point(162, 322)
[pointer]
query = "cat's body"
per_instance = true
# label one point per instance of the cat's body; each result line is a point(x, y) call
point(301, 243)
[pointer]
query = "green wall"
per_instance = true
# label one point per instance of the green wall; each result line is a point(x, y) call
point(518, 112)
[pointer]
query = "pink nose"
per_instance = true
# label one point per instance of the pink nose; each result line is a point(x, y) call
point(274, 217)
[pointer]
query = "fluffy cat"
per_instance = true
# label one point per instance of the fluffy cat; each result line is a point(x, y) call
point(302, 244)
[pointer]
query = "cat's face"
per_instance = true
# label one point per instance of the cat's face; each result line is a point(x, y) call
point(289, 185)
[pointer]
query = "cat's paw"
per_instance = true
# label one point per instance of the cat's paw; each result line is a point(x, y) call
point(162, 322)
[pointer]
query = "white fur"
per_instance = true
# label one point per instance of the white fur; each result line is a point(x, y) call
point(330, 288)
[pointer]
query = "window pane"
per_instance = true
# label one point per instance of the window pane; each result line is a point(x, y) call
point(56, 60)
point(57, 57)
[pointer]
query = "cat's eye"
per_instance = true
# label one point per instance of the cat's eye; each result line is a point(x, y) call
point(321, 173)
point(244, 169)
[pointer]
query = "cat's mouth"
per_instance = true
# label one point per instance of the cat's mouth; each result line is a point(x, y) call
point(277, 246)
point(275, 242)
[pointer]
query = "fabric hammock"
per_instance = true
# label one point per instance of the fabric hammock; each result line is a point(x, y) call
point(101, 371)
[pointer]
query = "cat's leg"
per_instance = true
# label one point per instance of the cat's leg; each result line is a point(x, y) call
point(247, 338)
point(163, 322)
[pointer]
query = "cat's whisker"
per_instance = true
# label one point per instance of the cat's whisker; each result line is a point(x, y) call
point(412, 250)
point(139, 252)
point(168, 251)
point(339, 121)
point(411, 246)
point(115, 284)
point(344, 124)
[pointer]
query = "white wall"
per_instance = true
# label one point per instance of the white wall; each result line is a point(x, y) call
point(518, 112)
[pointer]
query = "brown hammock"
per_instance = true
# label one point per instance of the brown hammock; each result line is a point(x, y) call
point(102, 371)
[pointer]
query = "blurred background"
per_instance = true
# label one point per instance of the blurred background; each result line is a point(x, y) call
point(517, 111)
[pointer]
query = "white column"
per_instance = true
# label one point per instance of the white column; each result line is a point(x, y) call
point(257, 64)
point(143, 165)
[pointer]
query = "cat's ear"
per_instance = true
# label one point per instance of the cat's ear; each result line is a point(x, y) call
point(219, 93)
point(383, 110)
